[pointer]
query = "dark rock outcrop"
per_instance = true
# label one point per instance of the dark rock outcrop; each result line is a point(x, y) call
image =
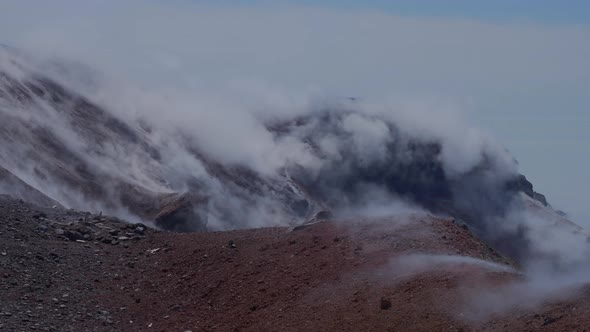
point(12, 185)
point(522, 184)
point(183, 213)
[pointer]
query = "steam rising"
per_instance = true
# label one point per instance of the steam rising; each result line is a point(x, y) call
point(553, 263)
point(256, 162)
point(261, 157)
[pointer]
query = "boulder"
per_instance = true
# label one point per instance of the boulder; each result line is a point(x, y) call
point(323, 215)
point(183, 213)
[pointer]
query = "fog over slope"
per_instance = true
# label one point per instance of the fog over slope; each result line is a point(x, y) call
point(339, 150)
point(90, 142)
point(195, 161)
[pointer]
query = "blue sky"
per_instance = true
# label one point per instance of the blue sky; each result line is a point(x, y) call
point(519, 69)
point(548, 11)
point(557, 11)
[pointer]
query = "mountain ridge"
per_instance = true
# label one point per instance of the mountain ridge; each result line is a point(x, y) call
point(81, 155)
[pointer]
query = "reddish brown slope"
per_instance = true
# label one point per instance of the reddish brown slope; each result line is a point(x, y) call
point(331, 276)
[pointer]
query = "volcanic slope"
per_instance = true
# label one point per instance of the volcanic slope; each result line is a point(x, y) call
point(85, 153)
point(64, 270)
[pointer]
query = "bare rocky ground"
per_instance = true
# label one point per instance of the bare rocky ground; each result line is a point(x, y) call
point(63, 270)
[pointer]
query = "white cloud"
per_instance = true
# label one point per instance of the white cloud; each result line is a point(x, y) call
point(499, 69)
point(361, 52)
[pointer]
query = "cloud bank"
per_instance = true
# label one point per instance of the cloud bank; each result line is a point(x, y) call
point(525, 81)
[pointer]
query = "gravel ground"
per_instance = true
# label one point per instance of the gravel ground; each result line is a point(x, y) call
point(64, 270)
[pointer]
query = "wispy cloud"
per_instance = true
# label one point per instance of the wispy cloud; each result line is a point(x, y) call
point(515, 76)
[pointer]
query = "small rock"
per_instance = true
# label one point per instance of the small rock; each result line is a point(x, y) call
point(385, 304)
point(59, 231)
point(549, 320)
point(73, 235)
point(140, 230)
point(39, 215)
